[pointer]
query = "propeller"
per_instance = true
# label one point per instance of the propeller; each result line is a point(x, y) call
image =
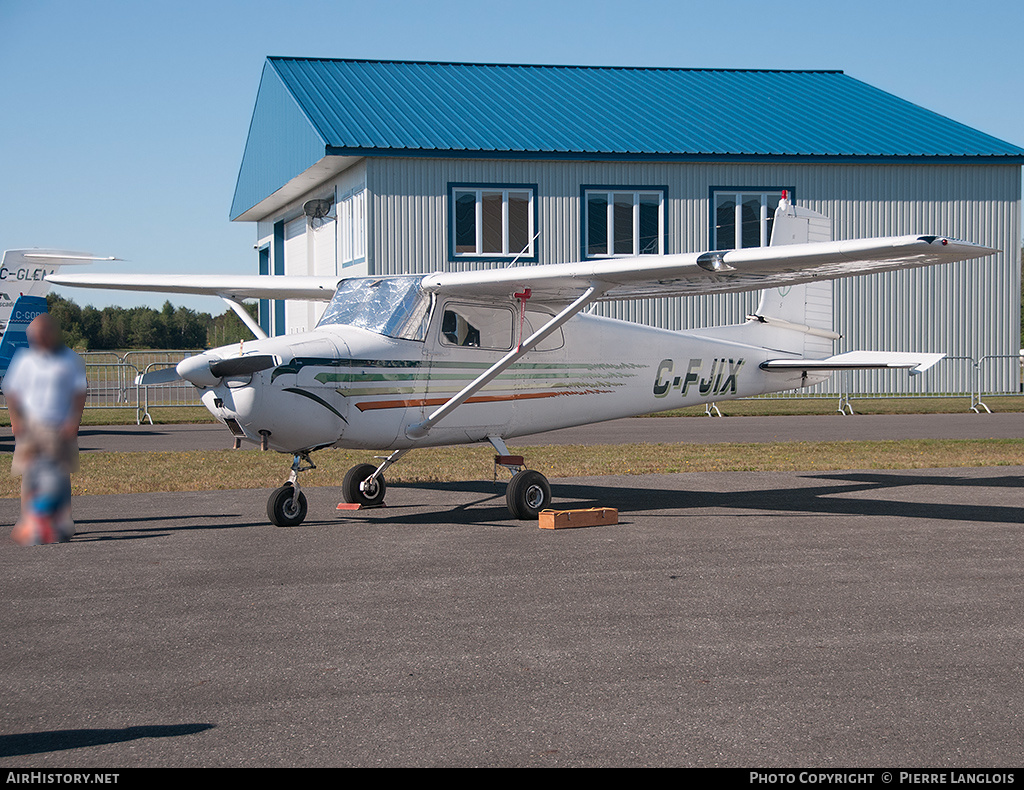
point(242, 366)
point(158, 376)
point(203, 370)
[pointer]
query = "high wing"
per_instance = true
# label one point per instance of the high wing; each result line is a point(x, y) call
point(266, 286)
point(726, 271)
point(232, 289)
point(686, 274)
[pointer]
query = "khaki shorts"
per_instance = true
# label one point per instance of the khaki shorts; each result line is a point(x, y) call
point(35, 440)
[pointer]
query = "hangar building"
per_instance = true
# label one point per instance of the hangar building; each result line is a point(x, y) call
point(356, 167)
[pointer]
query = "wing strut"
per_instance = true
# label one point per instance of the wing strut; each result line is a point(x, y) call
point(420, 429)
point(242, 313)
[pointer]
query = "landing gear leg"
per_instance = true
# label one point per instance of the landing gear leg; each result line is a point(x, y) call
point(287, 505)
point(364, 484)
point(528, 491)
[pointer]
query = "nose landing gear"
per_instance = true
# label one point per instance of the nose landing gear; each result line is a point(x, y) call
point(287, 505)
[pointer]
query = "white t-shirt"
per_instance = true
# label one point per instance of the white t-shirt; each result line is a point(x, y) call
point(46, 383)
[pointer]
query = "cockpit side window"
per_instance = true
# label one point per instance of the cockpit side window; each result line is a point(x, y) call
point(477, 326)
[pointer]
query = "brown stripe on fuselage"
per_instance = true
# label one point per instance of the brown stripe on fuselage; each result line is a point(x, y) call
point(420, 402)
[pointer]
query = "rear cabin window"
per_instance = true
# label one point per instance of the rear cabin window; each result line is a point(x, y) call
point(535, 321)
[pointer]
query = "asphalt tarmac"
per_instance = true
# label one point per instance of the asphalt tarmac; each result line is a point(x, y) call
point(768, 620)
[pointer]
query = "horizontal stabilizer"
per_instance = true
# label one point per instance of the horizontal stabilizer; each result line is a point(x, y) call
point(49, 258)
point(828, 334)
point(860, 360)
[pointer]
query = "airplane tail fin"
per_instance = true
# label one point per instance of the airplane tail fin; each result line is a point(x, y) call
point(24, 273)
point(798, 319)
point(15, 336)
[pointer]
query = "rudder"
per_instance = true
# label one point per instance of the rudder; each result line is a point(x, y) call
point(15, 336)
point(799, 317)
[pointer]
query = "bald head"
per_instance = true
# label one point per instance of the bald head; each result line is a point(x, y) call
point(44, 333)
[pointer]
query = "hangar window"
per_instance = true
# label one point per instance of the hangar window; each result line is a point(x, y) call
point(351, 213)
point(492, 221)
point(743, 217)
point(623, 222)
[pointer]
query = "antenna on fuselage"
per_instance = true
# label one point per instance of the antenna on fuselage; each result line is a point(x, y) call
point(523, 252)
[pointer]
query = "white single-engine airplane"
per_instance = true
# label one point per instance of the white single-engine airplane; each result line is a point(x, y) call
point(414, 361)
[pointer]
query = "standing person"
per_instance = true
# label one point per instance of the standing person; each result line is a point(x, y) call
point(45, 388)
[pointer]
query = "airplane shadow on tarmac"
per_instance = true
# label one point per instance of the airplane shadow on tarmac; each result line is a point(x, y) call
point(162, 526)
point(482, 502)
point(825, 500)
point(20, 744)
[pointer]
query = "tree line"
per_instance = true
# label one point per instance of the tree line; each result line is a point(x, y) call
point(115, 328)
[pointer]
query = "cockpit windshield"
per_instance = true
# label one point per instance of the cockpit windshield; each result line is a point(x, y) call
point(390, 306)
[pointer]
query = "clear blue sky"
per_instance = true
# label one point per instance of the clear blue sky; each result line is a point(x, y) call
point(122, 123)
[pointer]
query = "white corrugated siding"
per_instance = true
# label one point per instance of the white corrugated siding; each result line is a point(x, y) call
point(968, 310)
point(296, 262)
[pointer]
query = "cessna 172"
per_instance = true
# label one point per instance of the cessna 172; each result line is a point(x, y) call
point(404, 362)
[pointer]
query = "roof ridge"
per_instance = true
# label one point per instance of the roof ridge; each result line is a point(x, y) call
point(583, 67)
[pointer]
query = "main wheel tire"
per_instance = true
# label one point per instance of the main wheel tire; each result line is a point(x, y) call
point(351, 491)
point(284, 509)
point(527, 494)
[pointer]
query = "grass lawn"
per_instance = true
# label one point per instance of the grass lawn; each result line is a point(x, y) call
point(121, 473)
point(108, 473)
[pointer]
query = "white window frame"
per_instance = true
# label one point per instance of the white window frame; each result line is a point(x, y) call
point(741, 196)
point(350, 213)
point(478, 191)
point(637, 194)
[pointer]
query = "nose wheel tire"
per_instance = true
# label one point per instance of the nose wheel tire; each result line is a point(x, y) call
point(284, 509)
point(527, 494)
point(368, 496)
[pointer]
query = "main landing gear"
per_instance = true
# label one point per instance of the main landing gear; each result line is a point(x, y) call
point(527, 494)
point(364, 484)
point(528, 491)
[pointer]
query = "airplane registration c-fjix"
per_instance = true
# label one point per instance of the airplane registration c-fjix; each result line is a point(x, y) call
point(397, 363)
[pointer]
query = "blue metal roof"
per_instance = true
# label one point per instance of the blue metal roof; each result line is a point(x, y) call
point(318, 107)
